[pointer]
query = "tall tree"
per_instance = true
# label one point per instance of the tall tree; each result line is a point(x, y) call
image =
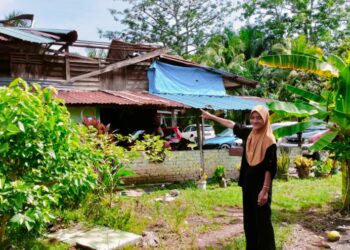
point(321, 21)
point(233, 51)
point(183, 25)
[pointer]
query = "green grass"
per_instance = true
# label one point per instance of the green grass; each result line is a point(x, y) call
point(136, 214)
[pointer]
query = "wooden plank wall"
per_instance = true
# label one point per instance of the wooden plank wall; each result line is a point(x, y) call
point(53, 67)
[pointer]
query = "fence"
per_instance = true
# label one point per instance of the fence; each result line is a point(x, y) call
point(182, 166)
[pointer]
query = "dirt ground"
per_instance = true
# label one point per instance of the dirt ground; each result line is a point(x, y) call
point(308, 234)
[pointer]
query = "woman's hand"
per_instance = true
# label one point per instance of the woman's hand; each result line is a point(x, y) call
point(262, 197)
point(206, 115)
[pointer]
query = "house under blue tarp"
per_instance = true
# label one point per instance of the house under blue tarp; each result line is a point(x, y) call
point(195, 87)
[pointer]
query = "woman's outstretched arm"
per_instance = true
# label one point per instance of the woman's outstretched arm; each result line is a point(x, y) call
point(224, 122)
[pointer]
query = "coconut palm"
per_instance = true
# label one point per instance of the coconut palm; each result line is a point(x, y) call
point(333, 105)
point(18, 19)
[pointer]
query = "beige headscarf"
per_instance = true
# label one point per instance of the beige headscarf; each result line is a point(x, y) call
point(259, 140)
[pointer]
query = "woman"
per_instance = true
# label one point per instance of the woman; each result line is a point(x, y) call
point(258, 168)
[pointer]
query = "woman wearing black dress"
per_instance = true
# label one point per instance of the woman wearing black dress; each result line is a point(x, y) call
point(258, 168)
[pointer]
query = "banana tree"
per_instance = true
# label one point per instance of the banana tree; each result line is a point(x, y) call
point(333, 105)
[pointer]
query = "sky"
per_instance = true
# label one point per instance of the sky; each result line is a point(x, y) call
point(84, 16)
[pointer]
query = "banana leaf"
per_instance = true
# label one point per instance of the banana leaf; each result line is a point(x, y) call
point(342, 119)
point(306, 94)
point(297, 109)
point(300, 63)
point(324, 141)
point(292, 129)
point(337, 62)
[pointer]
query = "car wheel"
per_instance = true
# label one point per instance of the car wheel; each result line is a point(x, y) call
point(226, 146)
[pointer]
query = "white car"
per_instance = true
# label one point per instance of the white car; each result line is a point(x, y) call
point(190, 132)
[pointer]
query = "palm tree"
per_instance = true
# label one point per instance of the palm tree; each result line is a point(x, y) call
point(333, 105)
point(18, 19)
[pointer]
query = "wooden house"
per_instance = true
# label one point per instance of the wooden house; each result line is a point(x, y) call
point(114, 88)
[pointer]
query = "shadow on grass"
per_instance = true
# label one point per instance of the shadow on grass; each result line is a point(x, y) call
point(315, 218)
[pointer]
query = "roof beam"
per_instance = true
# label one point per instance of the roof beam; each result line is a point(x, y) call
point(121, 64)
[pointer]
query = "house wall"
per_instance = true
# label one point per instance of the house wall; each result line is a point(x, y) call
point(182, 166)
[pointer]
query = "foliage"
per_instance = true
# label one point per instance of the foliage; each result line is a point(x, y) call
point(110, 161)
point(17, 22)
point(233, 51)
point(219, 172)
point(322, 22)
point(283, 163)
point(153, 147)
point(136, 215)
point(181, 25)
point(97, 124)
point(303, 166)
point(322, 168)
point(42, 161)
point(333, 105)
point(303, 162)
point(101, 213)
point(97, 53)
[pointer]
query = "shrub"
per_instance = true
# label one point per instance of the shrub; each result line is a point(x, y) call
point(110, 161)
point(219, 172)
point(283, 163)
point(303, 166)
point(42, 160)
point(323, 168)
point(153, 147)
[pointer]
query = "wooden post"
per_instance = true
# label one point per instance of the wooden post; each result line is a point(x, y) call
point(67, 63)
point(200, 133)
point(174, 118)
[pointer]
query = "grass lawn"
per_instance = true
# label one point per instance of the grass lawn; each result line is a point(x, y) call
point(197, 212)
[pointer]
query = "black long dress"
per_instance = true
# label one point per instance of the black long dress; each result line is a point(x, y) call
point(257, 219)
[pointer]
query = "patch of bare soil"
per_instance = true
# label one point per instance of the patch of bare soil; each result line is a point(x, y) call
point(228, 224)
point(310, 231)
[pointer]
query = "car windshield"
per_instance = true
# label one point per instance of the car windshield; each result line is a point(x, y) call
point(226, 132)
point(208, 128)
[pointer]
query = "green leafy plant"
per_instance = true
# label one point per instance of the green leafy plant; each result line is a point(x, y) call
point(43, 163)
point(110, 161)
point(303, 166)
point(323, 168)
point(283, 163)
point(333, 105)
point(219, 172)
point(153, 147)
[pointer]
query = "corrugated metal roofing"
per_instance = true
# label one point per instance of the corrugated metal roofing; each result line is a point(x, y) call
point(41, 36)
point(25, 36)
point(214, 102)
point(109, 97)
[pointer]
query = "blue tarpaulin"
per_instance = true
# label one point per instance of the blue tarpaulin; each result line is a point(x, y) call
point(195, 87)
point(213, 102)
point(170, 79)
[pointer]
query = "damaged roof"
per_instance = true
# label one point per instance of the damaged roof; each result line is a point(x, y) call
point(37, 35)
point(111, 97)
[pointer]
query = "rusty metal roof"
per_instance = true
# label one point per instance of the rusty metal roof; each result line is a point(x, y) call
point(109, 97)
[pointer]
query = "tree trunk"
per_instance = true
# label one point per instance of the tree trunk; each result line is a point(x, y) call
point(4, 220)
point(346, 185)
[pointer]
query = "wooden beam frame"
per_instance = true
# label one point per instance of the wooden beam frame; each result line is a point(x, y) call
point(121, 64)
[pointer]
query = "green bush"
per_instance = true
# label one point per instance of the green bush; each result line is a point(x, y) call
point(110, 161)
point(283, 163)
point(323, 168)
point(153, 147)
point(43, 163)
point(219, 172)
